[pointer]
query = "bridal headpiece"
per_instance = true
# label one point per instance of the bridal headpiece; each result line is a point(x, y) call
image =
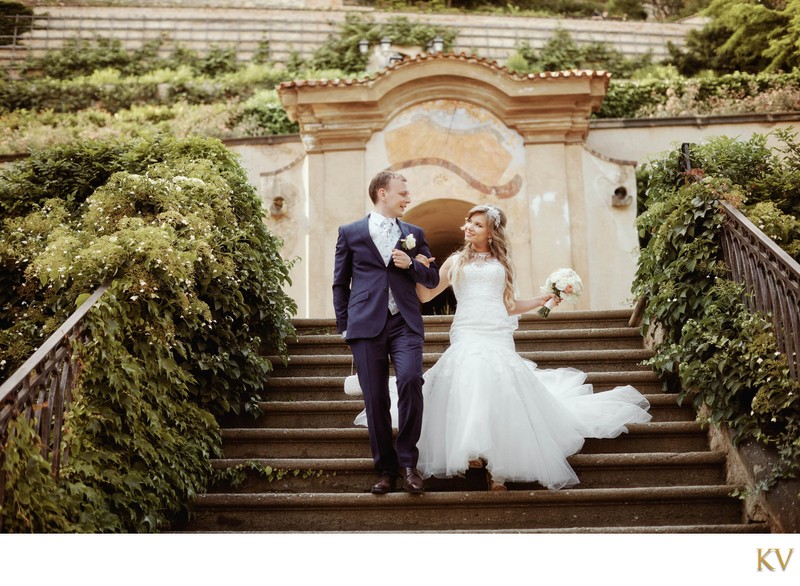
point(494, 214)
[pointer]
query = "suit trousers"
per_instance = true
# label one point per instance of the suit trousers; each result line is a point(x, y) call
point(400, 344)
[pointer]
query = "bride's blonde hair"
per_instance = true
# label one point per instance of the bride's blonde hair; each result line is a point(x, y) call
point(498, 246)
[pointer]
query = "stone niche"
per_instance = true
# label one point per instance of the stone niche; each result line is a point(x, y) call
point(464, 131)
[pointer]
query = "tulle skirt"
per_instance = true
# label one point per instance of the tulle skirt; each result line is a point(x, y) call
point(483, 400)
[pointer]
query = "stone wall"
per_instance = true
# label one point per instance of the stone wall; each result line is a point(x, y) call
point(610, 146)
point(197, 24)
point(231, 4)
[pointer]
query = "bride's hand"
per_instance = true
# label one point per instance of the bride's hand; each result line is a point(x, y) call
point(422, 259)
point(555, 298)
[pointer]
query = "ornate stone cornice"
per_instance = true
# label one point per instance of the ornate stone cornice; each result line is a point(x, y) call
point(543, 107)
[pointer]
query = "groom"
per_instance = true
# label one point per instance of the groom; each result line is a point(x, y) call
point(378, 313)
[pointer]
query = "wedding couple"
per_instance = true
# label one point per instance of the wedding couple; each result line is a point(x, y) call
point(483, 403)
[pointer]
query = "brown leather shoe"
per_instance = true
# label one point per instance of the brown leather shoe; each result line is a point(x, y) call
point(412, 481)
point(384, 485)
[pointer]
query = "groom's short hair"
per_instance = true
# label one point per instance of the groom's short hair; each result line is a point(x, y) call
point(380, 181)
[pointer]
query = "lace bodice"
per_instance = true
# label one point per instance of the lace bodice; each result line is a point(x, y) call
point(480, 310)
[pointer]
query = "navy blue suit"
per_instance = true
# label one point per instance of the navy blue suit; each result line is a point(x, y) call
point(361, 282)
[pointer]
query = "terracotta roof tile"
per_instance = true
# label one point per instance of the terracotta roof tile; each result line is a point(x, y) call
point(443, 57)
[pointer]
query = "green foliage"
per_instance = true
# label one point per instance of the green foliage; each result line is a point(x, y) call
point(341, 51)
point(235, 476)
point(783, 228)
point(295, 63)
point(80, 57)
point(11, 28)
point(140, 99)
point(584, 8)
point(112, 90)
point(562, 52)
point(630, 9)
point(264, 114)
point(517, 62)
point(726, 356)
point(751, 26)
point(195, 302)
point(37, 502)
point(783, 48)
point(619, 9)
point(263, 53)
point(675, 9)
point(219, 60)
point(743, 35)
point(738, 93)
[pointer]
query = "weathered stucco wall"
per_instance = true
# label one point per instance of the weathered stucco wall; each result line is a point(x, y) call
point(598, 240)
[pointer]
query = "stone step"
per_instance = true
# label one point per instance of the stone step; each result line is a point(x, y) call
point(340, 413)
point(356, 475)
point(673, 436)
point(726, 529)
point(661, 477)
point(558, 320)
point(469, 511)
point(730, 528)
point(586, 360)
point(525, 340)
point(328, 388)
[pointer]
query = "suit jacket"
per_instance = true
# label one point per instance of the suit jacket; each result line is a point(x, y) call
point(361, 281)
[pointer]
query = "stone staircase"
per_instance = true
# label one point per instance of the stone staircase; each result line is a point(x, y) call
point(659, 478)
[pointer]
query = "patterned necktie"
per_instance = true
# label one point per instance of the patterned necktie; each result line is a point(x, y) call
point(388, 240)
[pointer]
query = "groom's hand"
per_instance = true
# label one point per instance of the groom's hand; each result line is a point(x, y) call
point(401, 259)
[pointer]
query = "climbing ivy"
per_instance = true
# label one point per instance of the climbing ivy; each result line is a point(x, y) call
point(725, 356)
point(195, 303)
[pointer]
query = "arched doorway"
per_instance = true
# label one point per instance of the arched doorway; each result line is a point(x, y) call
point(466, 130)
point(441, 220)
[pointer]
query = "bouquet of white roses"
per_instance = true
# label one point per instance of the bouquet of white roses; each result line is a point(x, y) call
point(565, 284)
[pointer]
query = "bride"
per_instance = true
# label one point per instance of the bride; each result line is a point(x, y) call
point(483, 402)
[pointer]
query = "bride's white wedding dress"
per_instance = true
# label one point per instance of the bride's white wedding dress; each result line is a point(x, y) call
point(483, 400)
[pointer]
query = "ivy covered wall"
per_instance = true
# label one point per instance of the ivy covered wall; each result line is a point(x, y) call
point(195, 305)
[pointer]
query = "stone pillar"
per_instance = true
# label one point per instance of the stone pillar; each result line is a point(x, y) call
point(578, 222)
point(549, 211)
point(314, 261)
point(337, 195)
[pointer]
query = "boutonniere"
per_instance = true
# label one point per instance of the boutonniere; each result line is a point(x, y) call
point(409, 242)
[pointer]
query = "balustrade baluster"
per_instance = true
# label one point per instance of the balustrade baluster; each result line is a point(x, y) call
point(41, 389)
point(771, 278)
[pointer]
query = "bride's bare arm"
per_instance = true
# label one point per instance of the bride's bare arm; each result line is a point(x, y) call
point(526, 305)
point(426, 294)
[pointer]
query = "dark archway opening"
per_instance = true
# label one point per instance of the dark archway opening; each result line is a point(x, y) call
point(441, 220)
